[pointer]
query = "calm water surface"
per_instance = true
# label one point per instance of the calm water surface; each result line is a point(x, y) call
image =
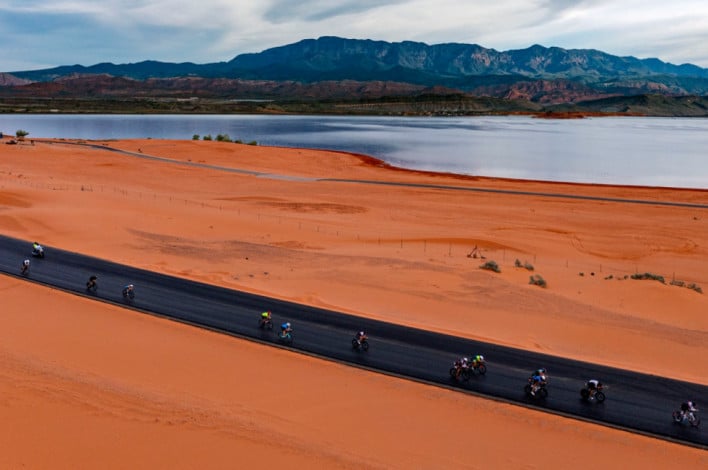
point(634, 151)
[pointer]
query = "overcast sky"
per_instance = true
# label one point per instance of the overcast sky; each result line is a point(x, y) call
point(37, 34)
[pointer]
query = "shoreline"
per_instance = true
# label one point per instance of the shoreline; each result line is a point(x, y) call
point(379, 163)
point(582, 170)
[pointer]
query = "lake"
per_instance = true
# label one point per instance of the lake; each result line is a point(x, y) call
point(669, 152)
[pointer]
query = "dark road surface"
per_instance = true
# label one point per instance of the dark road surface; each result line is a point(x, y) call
point(636, 402)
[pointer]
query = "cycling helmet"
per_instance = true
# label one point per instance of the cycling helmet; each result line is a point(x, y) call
point(361, 333)
point(465, 359)
point(479, 357)
point(287, 324)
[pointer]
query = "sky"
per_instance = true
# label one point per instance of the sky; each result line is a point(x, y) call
point(38, 34)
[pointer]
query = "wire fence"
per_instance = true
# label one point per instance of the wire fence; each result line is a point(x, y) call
point(387, 240)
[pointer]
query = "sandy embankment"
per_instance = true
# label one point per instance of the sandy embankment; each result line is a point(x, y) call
point(396, 253)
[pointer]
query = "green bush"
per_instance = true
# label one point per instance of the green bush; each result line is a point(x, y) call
point(207, 137)
point(537, 280)
point(695, 287)
point(691, 285)
point(491, 266)
point(650, 276)
point(195, 137)
point(223, 138)
point(525, 265)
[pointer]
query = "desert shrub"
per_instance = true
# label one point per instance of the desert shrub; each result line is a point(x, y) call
point(253, 142)
point(21, 134)
point(238, 141)
point(207, 137)
point(525, 265)
point(537, 280)
point(695, 287)
point(491, 266)
point(609, 277)
point(581, 274)
point(650, 276)
point(223, 138)
point(195, 137)
point(692, 286)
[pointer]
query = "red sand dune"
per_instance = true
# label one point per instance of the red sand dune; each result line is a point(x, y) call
point(90, 385)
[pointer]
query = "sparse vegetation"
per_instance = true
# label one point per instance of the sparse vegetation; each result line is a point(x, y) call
point(253, 142)
point(691, 286)
point(223, 138)
point(163, 101)
point(491, 266)
point(525, 265)
point(21, 134)
point(695, 287)
point(537, 280)
point(650, 276)
point(195, 137)
point(207, 137)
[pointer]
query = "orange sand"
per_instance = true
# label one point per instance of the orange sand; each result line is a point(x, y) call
point(92, 385)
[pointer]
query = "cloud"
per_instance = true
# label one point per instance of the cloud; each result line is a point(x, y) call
point(43, 33)
point(282, 11)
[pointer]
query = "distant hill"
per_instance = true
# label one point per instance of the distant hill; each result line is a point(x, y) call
point(7, 79)
point(460, 65)
point(336, 68)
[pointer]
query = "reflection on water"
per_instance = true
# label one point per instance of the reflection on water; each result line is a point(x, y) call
point(634, 151)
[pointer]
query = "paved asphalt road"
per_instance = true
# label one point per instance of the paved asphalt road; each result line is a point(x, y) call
point(636, 402)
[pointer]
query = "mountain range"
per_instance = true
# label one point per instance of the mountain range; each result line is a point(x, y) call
point(339, 68)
